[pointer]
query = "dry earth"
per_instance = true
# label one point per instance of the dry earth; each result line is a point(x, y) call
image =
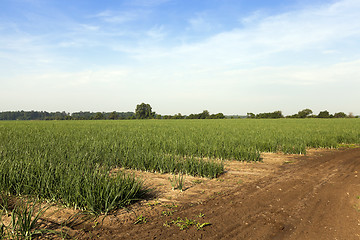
point(284, 197)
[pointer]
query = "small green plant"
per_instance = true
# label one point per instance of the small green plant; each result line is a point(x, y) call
point(140, 220)
point(25, 220)
point(167, 213)
point(186, 223)
point(201, 215)
point(5, 202)
point(200, 226)
point(151, 204)
point(177, 182)
point(170, 206)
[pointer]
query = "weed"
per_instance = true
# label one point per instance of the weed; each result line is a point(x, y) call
point(167, 213)
point(140, 220)
point(201, 215)
point(170, 206)
point(152, 204)
point(186, 223)
point(200, 226)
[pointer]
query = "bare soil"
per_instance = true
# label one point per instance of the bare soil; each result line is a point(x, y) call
point(284, 197)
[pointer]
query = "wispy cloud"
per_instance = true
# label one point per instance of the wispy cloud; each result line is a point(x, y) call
point(252, 18)
point(314, 29)
point(199, 23)
point(120, 17)
point(270, 58)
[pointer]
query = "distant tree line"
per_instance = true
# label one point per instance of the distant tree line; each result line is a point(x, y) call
point(305, 113)
point(204, 115)
point(276, 114)
point(144, 111)
point(43, 115)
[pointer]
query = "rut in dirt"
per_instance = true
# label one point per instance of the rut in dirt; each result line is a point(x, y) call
point(316, 198)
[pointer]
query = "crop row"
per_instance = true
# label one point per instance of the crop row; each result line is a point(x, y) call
point(70, 161)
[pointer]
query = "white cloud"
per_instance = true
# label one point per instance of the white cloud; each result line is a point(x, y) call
point(119, 17)
point(199, 23)
point(252, 18)
point(339, 73)
point(265, 60)
point(88, 27)
point(281, 37)
point(156, 33)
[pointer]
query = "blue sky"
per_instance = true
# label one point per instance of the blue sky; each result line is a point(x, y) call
point(230, 56)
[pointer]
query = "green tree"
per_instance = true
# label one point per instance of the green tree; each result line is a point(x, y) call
point(250, 115)
point(113, 115)
point(324, 114)
point(205, 114)
point(98, 116)
point(178, 116)
point(304, 113)
point(340, 115)
point(144, 111)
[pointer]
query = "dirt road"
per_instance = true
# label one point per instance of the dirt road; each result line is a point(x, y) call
point(317, 197)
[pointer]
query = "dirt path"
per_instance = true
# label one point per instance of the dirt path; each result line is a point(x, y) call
point(317, 197)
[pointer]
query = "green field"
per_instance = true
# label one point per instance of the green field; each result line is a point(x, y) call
point(70, 161)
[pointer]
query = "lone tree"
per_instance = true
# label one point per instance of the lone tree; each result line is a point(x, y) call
point(324, 114)
point(304, 113)
point(143, 111)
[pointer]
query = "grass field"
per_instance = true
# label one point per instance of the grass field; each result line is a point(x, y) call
point(70, 161)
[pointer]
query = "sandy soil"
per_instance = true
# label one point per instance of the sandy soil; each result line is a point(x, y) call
point(284, 197)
